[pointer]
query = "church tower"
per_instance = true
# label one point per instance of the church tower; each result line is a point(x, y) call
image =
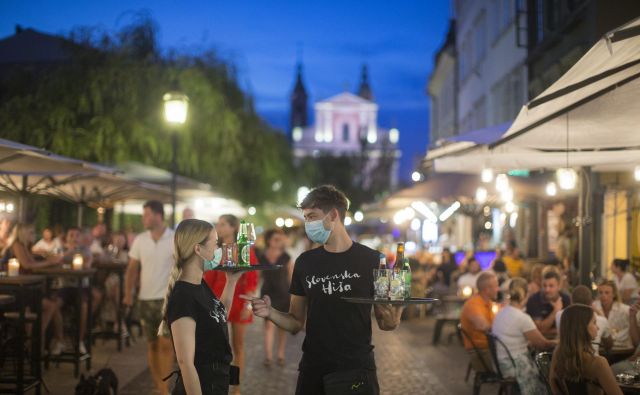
point(298, 116)
point(365, 89)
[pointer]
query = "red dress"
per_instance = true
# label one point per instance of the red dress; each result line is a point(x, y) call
point(248, 283)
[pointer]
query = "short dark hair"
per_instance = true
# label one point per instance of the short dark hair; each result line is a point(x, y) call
point(582, 294)
point(623, 264)
point(326, 198)
point(550, 272)
point(155, 206)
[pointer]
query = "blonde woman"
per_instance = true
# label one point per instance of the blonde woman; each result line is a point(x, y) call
point(197, 319)
point(517, 330)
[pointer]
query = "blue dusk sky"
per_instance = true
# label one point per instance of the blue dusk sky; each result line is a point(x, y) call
point(396, 39)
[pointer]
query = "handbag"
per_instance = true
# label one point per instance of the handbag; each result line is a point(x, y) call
point(349, 382)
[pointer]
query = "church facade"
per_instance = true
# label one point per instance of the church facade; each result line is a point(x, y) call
point(345, 124)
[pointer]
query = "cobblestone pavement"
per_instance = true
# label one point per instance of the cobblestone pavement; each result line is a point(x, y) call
point(407, 364)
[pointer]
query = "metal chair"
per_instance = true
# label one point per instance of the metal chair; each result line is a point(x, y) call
point(543, 362)
point(507, 384)
point(487, 375)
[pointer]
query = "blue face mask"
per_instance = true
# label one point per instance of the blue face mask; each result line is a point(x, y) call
point(316, 232)
point(213, 263)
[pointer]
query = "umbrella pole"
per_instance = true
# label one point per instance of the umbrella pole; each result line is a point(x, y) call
point(585, 225)
point(80, 212)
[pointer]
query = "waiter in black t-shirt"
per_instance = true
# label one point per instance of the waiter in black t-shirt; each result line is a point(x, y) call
point(337, 347)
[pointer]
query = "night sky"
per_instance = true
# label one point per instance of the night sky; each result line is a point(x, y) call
point(397, 40)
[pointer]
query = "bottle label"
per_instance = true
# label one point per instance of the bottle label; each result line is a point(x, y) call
point(245, 254)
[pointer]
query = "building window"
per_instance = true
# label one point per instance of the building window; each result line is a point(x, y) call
point(345, 132)
point(480, 32)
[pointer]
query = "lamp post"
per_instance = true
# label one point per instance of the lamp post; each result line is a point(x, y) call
point(176, 105)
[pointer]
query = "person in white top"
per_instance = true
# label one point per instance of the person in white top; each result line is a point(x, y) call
point(616, 312)
point(470, 278)
point(625, 281)
point(582, 295)
point(151, 261)
point(47, 245)
point(516, 330)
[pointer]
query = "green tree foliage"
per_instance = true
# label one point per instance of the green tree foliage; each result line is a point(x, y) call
point(105, 105)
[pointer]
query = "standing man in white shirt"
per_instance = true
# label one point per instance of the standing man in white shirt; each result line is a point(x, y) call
point(150, 262)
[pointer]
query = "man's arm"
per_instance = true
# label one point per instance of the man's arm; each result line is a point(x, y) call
point(387, 316)
point(130, 280)
point(292, 322)
point(546, 325)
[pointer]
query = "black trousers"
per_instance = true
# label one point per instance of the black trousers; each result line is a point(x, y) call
point(214, 380)
point(310, 381)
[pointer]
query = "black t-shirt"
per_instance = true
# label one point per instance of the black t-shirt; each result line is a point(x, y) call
point(199, 303)
point(338, 334)
point(539, 309)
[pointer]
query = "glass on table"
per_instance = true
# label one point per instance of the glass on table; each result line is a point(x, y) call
point(381, 283)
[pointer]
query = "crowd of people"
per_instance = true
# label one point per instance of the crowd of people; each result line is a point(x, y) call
point(150, 259)
point(527, 309)
point(197, 316)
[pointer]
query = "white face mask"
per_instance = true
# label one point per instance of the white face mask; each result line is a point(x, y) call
point(210, 264)
point(316, 232)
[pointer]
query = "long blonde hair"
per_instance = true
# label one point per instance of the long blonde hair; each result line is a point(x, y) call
point(189, 233)
point(19, 233)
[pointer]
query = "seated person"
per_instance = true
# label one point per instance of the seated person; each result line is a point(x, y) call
point(575, 369)
point(517, 330)
point(513, 261)
point(68, 288)
point(48, 245)
point(625, 281)
point(616, 312)
point(21, 238)
point(582, 295)
point(476, 319)
point(543, 305)
point(447, 266)
point(470, 278)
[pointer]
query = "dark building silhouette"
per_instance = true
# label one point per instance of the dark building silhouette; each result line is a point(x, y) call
point(560, 32)
point(299, 97)
point(365, 89)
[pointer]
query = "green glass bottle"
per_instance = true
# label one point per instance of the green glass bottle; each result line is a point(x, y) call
point(407, 278)
point(244, 246)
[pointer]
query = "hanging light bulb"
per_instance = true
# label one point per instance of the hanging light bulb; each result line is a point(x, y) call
point(506, 195)
point(481, 195)
point(636, 173)
point(502, 182)
point(509, 207)
point(567, 178)
point(552, 189)
point(487, 175)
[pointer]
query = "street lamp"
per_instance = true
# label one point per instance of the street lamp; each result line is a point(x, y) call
point(176, 105)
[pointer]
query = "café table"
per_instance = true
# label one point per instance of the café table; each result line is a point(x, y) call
point(25, 289)
point(120, 268)
point(84, 278)
point(451, 306)
point(629, 388)
point(6, 300)
point(617, 354)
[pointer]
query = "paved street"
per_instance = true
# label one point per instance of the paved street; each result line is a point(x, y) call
point(407, 364)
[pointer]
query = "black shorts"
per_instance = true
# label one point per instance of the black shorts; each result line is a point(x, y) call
point(310, 381)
